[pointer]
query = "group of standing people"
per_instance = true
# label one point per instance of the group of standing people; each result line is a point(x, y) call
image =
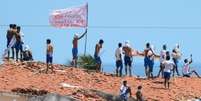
point(149, 57)
point(128, 53)
point(124, 55)
point(15, 43)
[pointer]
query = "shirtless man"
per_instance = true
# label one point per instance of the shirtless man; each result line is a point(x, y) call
point(75, 48)
point(128, 58)
point(97, 55)
point(146, 58)
point(149, 60)
point(18, 44)
point(49, 55)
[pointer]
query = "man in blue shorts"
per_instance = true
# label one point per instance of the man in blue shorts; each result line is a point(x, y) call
point(127, 50)
point(49, 55)
point(169, 65)
point(97, 55)
point(75, 48)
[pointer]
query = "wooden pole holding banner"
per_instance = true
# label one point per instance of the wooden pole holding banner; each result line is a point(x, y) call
point(85, 47)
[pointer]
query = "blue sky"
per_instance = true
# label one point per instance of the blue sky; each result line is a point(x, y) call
point(181, 16)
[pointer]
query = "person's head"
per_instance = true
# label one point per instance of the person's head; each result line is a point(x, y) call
point(120, 45)
point(167, 58)
point(174, 51)
point(185, 60)
point(14, 26)
point(139, 87)
point(127, 43)
point(48, 41)
point(76, 36)
point(148, 45)
point(10, 26)
point(164, 47)
point(101, 41)
point(125, 83)
point(18, 29)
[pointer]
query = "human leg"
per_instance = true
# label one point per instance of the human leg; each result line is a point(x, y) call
point(195, 73)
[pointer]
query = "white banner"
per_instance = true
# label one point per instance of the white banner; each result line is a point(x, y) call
point(69, 17)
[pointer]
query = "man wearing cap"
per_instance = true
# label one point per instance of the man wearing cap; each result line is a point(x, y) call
point(75, 48)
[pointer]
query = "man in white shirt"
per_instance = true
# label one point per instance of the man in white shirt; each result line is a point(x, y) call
point(119, 63)
point(169, 65)
point(124, 91)
point(162, 58)
point(186, 69)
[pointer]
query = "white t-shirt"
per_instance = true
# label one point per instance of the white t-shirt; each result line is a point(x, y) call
point(22, 36)
point(162, 55)
point(186, 68)
point(118, 54)
point(123, 89)
point(169, 65)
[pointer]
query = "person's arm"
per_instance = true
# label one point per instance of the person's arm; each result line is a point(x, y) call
point(83, 34)
point(96, 49)
point(116, 53)
point(191, 60)
point(7, 34)
point(174, 66)
point(30, 54)
point(154, 53)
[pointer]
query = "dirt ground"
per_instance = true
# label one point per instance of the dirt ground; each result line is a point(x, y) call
point(23, 75)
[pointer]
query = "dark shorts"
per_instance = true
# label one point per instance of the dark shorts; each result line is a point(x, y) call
point(175, 61)
point(119, 63)
point(167, 75)
point(49, 58)
point(149, 63)
point(127, 61)
point(146, 62)
point(18, 46)
point(97, 59)
point(75, 53)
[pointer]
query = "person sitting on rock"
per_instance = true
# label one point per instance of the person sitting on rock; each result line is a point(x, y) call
point(27, 54)
point(124, 91)
point(186, 69)
point(139, 96)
